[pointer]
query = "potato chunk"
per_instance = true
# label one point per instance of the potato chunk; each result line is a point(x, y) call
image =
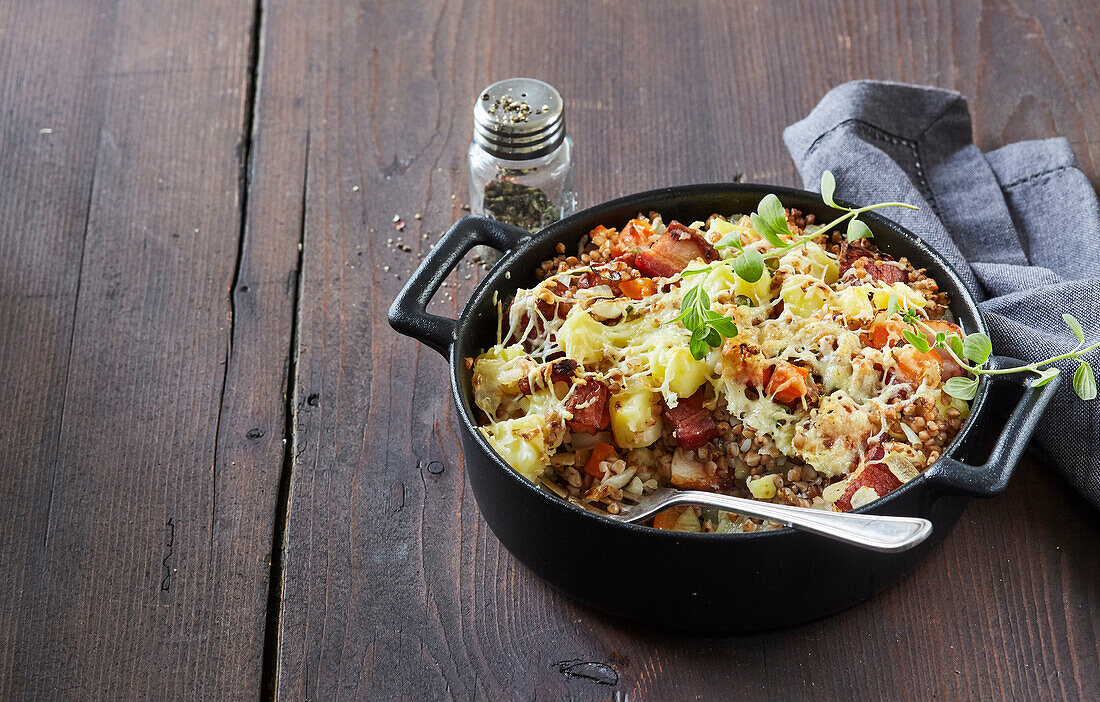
point(636, 418)
point(676, 367)
point(522, 443)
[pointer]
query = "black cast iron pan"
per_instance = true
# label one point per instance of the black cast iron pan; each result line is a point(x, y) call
point(697, 582)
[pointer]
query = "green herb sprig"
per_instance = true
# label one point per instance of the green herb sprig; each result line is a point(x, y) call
point(748, 263)
point(976, 348)
point(707, 327)
point(770, 222)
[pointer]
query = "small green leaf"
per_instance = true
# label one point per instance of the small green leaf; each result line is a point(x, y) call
point(693, 320)
point(858, 230)
point(732, 239)
point(771, 209)
point(910, 316)
point(956, 344)
point(766, 230)
point(689, 311)
point(703, 300)
point(917, 340)
point(713, 338)
point(689, 297)
point(1074, 326)
point(695, 271)
point(892, 306)
point(770, 221)
point(1044, 376)
point(749, 266)
point(725, 326)
point(698, 347)
point(828, 187)
point(1084, 381)
point(961, 387)
point(977, 347)
point(941, 338)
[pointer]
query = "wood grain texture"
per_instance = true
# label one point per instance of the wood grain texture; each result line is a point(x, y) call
point(197, 204)
point(393, 586)
point(145, 453)
point(51, 108)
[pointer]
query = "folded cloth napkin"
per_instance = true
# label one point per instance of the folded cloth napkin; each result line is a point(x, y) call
point(1020, 225)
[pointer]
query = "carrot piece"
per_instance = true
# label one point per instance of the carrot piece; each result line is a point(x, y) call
point(788, 382)
point(634, 237)
point(765, 376)
point(638, 288)
point(666, 519)
point(600, 453)
point(913, 364)
point(681, 518)
point(745, 362)
point(886, 332)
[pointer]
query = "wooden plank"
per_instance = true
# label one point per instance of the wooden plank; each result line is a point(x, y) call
point(393, 586)
point(52, 102)
point(151, 481)
point(266, 298)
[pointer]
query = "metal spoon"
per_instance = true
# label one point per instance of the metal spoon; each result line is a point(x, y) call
point(870, 531)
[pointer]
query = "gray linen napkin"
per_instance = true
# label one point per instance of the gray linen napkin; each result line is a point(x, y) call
point(1020, 225)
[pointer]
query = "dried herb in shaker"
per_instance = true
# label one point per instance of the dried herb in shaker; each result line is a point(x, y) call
point(515, 203)
point(521, 168)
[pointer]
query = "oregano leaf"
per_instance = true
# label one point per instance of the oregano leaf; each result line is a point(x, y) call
point(703, 299)
point(892, 306)
point(828, 187)
point(713, 338)
point(858, 230)
point(1044, 376)
point(732, 239)
point(1084, 381)
point(725, 326)
point(771, 209)
point(698, 347)
point(749, 266)
point(1074, 326)
point(766, 230)
point(977, 347)
point(770, 221)
point(695, 271)
point(963, 388)
point(917, 340)
point(956, 345)
point(689, 298)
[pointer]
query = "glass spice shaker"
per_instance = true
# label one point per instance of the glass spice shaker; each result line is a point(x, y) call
point(520, 159)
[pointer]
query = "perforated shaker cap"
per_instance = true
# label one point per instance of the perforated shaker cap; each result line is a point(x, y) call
point(519, 119)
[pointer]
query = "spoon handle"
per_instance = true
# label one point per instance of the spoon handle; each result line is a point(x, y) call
point(872, 531)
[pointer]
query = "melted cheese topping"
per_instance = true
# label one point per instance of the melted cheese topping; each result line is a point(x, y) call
point(801, 312)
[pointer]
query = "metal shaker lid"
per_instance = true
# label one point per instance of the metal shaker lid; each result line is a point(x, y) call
point(519, 119)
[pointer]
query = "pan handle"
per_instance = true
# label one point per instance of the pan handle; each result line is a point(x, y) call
point(991, 478)
point(408, 313)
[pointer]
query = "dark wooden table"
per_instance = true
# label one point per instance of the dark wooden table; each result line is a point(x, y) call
point(224, 476)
